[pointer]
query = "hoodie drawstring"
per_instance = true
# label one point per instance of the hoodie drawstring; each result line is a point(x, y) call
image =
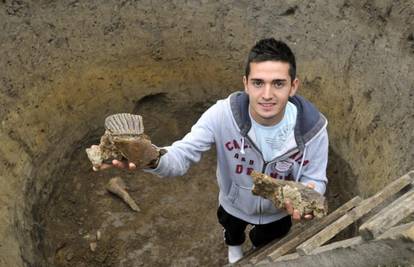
point(242, 146)
point(301, 164)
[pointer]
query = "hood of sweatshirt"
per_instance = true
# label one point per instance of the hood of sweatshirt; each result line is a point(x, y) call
point(309, 121)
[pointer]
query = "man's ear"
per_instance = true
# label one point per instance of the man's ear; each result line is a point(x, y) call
point(245, 84)
point(295, 86)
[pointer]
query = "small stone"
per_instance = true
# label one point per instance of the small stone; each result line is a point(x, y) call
point(98, 235)
point(93, 246)
point(69, 256)
point(87, 236)
point(78, 186)
point(81, 231)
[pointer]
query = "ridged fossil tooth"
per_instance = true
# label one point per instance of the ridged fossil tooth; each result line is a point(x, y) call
point(124, 138)
point(124, 124)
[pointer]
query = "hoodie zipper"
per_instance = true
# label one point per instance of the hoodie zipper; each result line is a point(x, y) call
point(263, 169)
point(265, 163)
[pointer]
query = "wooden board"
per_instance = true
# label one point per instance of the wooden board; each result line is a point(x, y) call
point(288, 243)
point(401, 208)
point(366, 206)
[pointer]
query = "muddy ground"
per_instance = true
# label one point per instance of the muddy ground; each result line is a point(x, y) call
point(66, 65)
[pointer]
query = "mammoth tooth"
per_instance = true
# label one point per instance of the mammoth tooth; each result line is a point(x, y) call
point(123, 131)
point(124, 124)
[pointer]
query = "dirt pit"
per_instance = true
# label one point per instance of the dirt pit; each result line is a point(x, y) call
point(66, 65)
point(177, 224)
point(175, 227)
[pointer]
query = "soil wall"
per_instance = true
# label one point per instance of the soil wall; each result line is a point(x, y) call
point(66, 65)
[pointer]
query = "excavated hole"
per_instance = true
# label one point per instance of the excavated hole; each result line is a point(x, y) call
point(66, 65)
point(177, 225)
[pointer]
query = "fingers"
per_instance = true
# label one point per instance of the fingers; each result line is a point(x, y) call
point(295, 213)
point(288, 207)
point(308, 216)
point(291, 211)
point(296, 216)
point(311, 185)
point(120, 164)
point(124, 164)
point(102, 167)
point(117, 164)
point(132, 166)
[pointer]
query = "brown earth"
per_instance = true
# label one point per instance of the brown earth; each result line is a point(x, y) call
point(176, 225)
point(66, 65)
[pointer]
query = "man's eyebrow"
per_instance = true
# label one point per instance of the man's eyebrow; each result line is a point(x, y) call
point(279, 80)
point(257, 79)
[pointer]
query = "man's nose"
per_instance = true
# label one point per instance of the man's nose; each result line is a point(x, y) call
point(267, 94)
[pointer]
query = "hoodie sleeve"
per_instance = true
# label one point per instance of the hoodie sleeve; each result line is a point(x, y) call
point(317, 157)
point(181, 154)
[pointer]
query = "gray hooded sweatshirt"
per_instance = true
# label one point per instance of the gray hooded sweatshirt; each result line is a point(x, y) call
point(227, 125)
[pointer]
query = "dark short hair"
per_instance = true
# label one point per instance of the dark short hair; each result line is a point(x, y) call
point(272, 50)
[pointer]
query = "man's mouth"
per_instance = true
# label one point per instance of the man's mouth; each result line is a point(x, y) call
point(267, 105)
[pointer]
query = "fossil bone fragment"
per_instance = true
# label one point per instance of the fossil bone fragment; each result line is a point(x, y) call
point(124, 138)
point(93, 246)
point(303, 198)
point(117, 186)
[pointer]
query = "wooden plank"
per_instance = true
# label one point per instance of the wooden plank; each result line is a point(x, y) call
point(401, 208)
point(265, 250)
point(289, 242)
point(287, 257)
point(403, 231)
point(340, 244)
point(390, 252)
point(366, 206)
point(398, 233)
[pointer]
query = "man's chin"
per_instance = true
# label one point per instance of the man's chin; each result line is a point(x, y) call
point(268, 116)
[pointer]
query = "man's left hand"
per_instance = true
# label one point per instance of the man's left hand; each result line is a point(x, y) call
point(295, 213)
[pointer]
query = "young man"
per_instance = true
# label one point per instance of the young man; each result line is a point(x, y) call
point(265, 128)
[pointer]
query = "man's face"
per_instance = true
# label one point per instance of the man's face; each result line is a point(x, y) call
point(269, 87)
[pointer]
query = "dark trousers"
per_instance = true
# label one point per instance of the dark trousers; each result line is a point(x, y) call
point(260, 235)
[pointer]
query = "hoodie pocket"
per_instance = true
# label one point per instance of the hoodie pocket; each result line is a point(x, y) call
point(243, 199)
point(269, 207)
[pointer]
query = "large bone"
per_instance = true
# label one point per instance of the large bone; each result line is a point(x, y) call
point(303, 199)
point(123, 126)
point(124, 138)
point(117, 186)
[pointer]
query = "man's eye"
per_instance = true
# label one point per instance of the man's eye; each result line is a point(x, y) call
point(257, 83)
point(278, 84)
